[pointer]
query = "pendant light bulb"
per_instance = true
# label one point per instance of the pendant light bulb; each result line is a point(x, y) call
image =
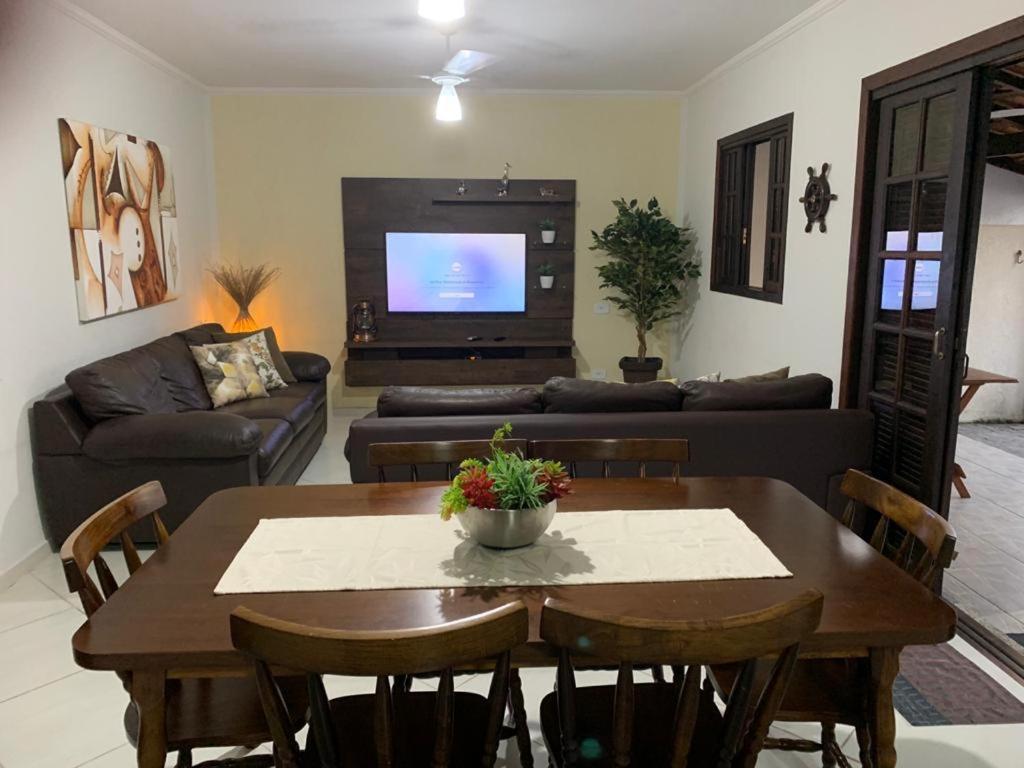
point(442, 11)
point(448, 110)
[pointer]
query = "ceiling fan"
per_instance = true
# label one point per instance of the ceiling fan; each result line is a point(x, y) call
point(455, 73)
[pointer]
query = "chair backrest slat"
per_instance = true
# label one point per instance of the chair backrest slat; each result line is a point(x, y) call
point(641, 451)
point(622, 715)
point(272, 642)
point(83, 547)
point(929, 541)
point(449, 453)
point(748, 640)
point(685, 720)
point(444, 720)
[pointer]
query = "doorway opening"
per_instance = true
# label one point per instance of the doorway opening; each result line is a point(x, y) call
point(931, 324)
point(986, 582)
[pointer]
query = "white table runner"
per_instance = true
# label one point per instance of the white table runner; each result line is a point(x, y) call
point(312, 554)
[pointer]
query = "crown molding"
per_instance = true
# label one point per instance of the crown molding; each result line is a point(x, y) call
point(328, 91)
point(103, 29)
point(767, 42)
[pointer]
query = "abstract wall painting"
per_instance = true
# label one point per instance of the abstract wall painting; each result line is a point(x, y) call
point(122, 220)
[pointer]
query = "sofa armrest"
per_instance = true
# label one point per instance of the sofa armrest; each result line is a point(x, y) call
point(307, 366)
point(189, 435)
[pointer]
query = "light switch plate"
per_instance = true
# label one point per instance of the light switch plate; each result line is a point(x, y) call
point(601, 308)
point(598, 374)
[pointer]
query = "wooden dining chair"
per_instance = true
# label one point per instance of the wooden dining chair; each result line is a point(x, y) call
point(630, 450)
point(392, 726)
point(832, 691)
point(449, 453)
point(201, 712)
point(663, 725)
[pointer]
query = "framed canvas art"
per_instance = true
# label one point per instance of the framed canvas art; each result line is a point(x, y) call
point(122, 220)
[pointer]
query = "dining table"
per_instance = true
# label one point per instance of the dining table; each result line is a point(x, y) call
point(166, 622)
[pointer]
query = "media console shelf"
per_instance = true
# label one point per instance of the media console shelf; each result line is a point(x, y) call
point(429, 363)
point(432, 349)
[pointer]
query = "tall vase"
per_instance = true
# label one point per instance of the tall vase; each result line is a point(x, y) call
point(244, 321)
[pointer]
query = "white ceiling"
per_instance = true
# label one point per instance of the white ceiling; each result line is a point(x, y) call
point(544, 44)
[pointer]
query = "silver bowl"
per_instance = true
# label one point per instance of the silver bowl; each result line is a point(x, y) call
point(506, 528)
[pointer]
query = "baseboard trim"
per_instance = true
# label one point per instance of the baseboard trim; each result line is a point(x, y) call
point(23, 566)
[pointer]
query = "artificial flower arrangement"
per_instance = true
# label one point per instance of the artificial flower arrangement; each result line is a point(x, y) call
point(506, 480)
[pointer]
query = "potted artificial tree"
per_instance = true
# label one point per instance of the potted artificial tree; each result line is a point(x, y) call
point(547, 231)
point(648, 263)
point(547, 275)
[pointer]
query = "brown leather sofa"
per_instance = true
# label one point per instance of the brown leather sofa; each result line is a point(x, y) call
point(783, 430)
point(145, 415)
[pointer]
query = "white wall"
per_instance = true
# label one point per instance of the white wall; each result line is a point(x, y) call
point(995, 336)
point(53, 65)
point(815, 72)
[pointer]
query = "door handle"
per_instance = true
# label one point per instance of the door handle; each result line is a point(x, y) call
point(937, 344)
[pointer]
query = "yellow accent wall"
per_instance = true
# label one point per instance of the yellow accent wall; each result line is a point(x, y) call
point(279, 159)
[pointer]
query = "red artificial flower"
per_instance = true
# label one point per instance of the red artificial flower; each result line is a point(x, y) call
point(476, 487)
point(556, 483)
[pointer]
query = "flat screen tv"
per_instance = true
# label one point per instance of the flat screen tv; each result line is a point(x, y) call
point(443, 272)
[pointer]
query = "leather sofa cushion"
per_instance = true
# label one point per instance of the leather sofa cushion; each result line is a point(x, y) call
point(296, 411)
point(812, 390)
point(189, 436)
point(277, 436)
point(179, 372)
point(127, 384)
point(272, 346)
point(313, 391)
point(564, 395)
point(434, 401)
point(200, 335)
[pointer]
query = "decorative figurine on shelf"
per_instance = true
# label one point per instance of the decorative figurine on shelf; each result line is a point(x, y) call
point(504, 183)
point(463, 188)
point(364, 321)
point(817, 198)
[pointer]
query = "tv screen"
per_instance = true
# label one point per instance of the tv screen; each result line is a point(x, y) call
point(441, 272)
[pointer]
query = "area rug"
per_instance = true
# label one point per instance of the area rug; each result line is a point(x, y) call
point(938, 685)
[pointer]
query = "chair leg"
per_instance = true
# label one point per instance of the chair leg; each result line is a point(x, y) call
point(184, 759)
point(864, 744)
point(658, 673)
point(828, 745)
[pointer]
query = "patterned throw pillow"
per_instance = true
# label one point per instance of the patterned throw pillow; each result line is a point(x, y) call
point(260, 351)
point(229, 372)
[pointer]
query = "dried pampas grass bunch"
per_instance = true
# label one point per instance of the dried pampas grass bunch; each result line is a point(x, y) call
point(243, 284)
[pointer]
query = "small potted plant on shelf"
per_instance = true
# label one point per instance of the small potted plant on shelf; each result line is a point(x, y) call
point(505, 501)
point(547, 231)
point(546, 272)
point(649, 260)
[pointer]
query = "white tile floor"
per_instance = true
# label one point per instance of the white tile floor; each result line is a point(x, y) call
point(54, 714)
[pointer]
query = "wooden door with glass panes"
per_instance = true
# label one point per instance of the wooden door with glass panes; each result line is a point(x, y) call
point(916, 254)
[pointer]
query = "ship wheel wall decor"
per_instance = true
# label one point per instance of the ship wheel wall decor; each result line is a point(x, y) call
point(817, 198)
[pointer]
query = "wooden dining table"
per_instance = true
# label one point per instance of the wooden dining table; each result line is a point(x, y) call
point(166, 622)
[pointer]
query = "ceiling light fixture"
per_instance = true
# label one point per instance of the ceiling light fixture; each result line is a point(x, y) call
point(442, 10)
point(448, 109)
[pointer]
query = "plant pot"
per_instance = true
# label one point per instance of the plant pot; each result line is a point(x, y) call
point(506, 528)
point(547, 281)
point(635, 372)
point(547, 236)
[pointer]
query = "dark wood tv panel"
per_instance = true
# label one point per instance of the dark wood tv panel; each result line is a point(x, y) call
point(432, 348)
